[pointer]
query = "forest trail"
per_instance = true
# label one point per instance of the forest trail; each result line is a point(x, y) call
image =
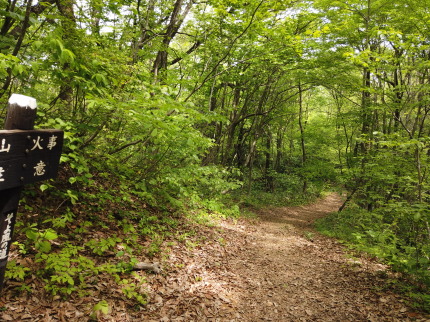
point(291, 273)
point(278, 269)
point(274, 268)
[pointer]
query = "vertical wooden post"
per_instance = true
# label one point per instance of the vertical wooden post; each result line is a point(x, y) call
point(21, 115)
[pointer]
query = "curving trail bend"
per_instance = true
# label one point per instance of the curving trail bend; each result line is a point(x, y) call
point(288, 272)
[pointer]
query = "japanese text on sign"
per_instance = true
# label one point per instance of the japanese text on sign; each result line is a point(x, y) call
point(6, 236)
point(28, 156)
point(4, 147)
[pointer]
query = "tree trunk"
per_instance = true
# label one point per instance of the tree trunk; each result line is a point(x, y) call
point(279, 146)
point(176, 19)
point(268, 164)
point(302, 138)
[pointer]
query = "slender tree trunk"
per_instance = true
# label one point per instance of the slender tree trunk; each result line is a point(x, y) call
point(231, 151)
point(268, 164)
point(302, 137)
point(365, 110)
point(250, 162)
point(279, 146)
point(239, 147)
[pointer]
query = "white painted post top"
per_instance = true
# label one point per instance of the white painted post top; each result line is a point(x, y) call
point(23, 101)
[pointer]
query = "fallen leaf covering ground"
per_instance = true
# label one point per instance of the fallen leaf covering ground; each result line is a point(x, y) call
point(276, 268)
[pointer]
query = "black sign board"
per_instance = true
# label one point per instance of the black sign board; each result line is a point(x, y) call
point(26, 156)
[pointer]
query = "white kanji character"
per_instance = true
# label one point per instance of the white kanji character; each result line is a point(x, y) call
point(5, 238)
point(3, 252)
point(37, 143)
point(52, 142)
point(40, 169)
point(1, 174)
point(4, 148)
point(9, 217)
point(7, 231)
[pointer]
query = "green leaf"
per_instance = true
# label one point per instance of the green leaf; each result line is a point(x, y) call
point(17, 70)
point(100, 78)
point(43, 187)
point(37, 44)
point(67, 56)
point(32, 234)
point(101, 306)
point(50, 234)
point(43, 246)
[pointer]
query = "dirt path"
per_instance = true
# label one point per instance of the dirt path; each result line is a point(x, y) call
point(291, 273)
point(274, 269)
point(278, 269)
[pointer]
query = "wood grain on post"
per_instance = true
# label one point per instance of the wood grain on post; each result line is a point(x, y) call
point(21, 115)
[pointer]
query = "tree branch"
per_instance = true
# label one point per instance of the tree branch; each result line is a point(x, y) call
point(189, 51)
point(226, 54)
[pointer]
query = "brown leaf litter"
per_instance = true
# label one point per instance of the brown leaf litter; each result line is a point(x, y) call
point(273, 269)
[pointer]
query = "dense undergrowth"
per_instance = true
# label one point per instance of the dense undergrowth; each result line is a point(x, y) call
point(284, 197)
point(93, 226)
point(381, 233)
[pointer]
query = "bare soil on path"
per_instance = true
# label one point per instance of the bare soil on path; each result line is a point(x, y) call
point(279, 269)
point(291, 273)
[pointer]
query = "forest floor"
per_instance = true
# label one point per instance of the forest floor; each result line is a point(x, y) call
point(278, 268)
point(272, 268)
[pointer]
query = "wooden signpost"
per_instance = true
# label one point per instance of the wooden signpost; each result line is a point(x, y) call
point(26, 156)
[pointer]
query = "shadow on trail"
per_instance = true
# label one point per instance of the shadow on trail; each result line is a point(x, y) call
point(283, 276)
point(302, 217)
